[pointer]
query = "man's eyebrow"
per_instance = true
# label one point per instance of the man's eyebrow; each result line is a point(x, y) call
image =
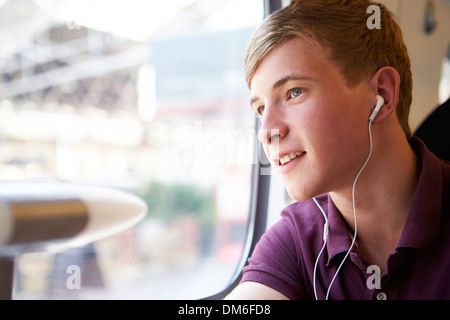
point(253, 100)
point(289, 77)
point(284, 80)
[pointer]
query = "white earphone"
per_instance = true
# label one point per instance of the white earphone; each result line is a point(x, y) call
point(380, 103)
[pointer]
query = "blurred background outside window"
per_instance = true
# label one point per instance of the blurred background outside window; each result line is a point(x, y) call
point(147, 97)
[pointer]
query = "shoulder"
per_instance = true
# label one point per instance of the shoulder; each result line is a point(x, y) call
point(299, 229)
point(284, 256)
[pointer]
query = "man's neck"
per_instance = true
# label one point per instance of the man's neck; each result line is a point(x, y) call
point(383, 197)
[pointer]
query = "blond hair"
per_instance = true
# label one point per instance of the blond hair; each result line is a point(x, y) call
point(340, 27)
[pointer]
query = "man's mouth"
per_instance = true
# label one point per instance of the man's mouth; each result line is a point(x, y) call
point(291, 156)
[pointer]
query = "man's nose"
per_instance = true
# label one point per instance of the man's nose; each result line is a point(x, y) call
point(273, 127)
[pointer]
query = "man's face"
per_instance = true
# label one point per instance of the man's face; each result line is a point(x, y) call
point(309, 114)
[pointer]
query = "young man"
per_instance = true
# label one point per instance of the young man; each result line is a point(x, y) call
point(316, 73)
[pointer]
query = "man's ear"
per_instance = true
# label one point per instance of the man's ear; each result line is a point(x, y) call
point(386, 83)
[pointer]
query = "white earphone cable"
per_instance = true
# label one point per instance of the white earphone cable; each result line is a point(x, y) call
point(354, 217)
point(325, 236)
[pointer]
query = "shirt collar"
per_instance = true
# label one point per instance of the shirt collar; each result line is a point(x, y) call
point(339, 237)
point(422, 225)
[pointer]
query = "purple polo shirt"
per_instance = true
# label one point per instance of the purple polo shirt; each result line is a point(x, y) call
point(419, 268)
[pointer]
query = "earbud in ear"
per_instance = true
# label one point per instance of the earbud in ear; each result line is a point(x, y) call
point(380, 102)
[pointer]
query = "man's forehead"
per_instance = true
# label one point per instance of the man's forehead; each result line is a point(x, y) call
point(296, 55)
point(296, 59)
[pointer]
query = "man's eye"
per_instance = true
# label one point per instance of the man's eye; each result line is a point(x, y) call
point(260, 110)
point(296, 92)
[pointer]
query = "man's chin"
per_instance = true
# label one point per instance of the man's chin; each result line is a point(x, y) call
point(297, 196)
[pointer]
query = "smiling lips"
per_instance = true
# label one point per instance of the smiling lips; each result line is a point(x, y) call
point(284, 160)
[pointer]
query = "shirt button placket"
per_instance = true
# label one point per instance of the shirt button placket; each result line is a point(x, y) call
point(381, 296)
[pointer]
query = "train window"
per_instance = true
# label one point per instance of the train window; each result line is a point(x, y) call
point(143, 96)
